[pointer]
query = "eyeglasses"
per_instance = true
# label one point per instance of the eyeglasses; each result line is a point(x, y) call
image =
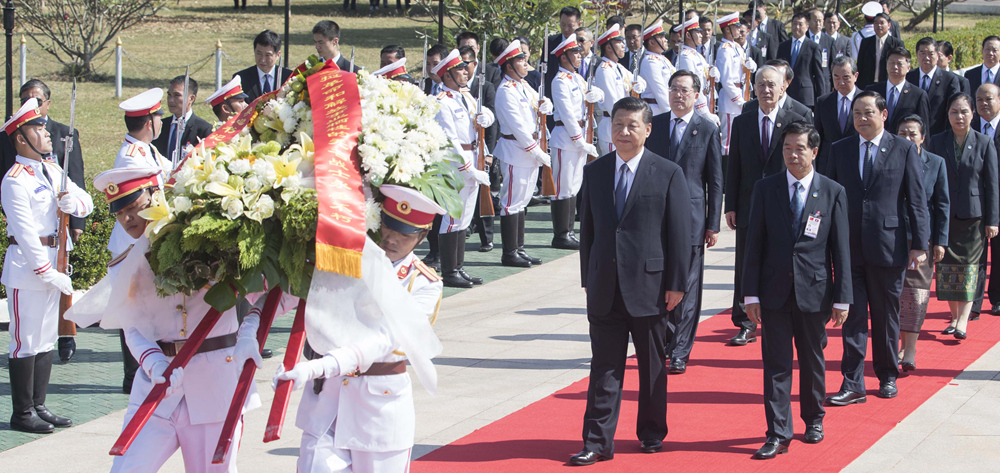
point(681, 90)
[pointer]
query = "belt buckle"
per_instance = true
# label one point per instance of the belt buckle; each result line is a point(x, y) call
point(178, 344)
point(355, 373)
point(53, 240)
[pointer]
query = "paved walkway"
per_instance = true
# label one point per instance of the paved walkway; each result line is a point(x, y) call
point(507, 344)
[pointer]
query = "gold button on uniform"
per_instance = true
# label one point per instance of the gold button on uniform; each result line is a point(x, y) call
point(386, 392)
point(229, 359)
point(345, 382)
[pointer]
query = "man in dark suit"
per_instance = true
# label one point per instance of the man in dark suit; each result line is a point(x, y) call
point(771, 26)
point(569, 21)
point(692, 142)
point(901, 97)
point(767, 43)
point(873, 52)
point(326, 38)
point(803, 55)
point(938, 84)
point(833, 120)
point(883, 176)
point(945, 55)
point(841, 43)
point(785, 102)
point(635, 235)
point(264, 76)
point(989, 70)
point(753, 154)
point(893, 24)
point(755, 53)
point(195, 128)
point(470, 39)
point(797, 270)
point(822, 39)
point(633, 44)
point(986, 122)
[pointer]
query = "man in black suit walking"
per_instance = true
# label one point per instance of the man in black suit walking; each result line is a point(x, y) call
point(768, 44)
point(803, 55)
point(263, 77)
point(873, 52)
point(989, 70)
point(937, 83)
point(694, 143)
point(195, 128)
point(785, 102)
point(901, 97)
point(986, 122)
point(771, 26)
point(753, 154)
point(635, 236)
point(834, 120)
point(883, 176)
point(326, 38)
point(797, 269)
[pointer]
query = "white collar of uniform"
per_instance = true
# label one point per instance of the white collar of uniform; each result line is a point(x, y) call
point(563, 69)
point(868, 30)
point(724, 41)
point(406, 260)
point(28, 162)
point(805, 181)
point(773, 115)
point(685, 118)
point(850, 96)
point(684, 46)
point(608, 60)
point(445, 88)
point(133, 140)
point(875, 141)
point(931, 73)
point(632, 163)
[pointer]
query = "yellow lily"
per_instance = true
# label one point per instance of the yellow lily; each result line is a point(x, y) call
point(283, 168)
point(158, 213)
point(222, 190)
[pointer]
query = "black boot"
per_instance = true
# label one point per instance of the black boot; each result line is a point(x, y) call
point(571, 220)
point(561, 238)
point(67, 347)
point(448, 249)
point(508, 239)
point(460, 261)
point(129, 364)
point(433, 258)
point(22, 386)
point(520, 240)
point(43, 371)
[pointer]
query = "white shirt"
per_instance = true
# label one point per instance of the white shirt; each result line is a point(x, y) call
point(928, 75)
point(632, 164)
point(682, 126)
point(888, 88)
point(270, 74)
point(993, 69)
point(850, 98)
point(862, 149)
point(993, 124)
point(815, 36)
point(835, 35)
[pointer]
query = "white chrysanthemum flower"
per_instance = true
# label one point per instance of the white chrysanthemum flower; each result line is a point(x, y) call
point(373, 215)
point(239, 166)
point(182, 203)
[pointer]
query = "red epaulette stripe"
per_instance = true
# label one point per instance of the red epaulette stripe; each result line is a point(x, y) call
point(14, 171)
point(145, 354)
point(45, 267)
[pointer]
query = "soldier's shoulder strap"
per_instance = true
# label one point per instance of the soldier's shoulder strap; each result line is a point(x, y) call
point(16, 170)
point(426, 271)
point(120, 257)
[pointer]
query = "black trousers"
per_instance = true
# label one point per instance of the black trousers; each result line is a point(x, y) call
point(685, 316)
point(432, 237)
point(780, 329)
point(609, 337)
point(739, 315)
point(876, 296)
point(993, 248)
point(353, 4)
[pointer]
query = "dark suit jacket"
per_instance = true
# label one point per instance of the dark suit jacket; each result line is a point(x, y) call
point(700, 157)
point(977, 125)
point(894, 29)
point(943, 84)
point(344, 64)
point(964, 82)
point(195, 130)
point(646, 253)
point(827, 123)
point(790, 105)
point(972, 184)
point(840, 47)
point(897, 188)
point(671, 56)
point(626, 60)
point(938, 199)
point(770, 42)
point(866, 59)
point(808, 82)
point(757, 57)
point(747, 165)
point(779, 261)
point(776, 29)
point(250, 80)
point(552, 61)
point(975, 77)
point(493, 74)
point(912, 100)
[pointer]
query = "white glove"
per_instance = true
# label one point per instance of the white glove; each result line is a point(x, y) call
point(247, 349)
point(752, 66)
point(69, 204)
point(546, 106)
point(482, 177)
point(713, 72)
point(713, 118)
point(595, 95)
point(57, 280)
point(176, 377)
point(306, 371)
point(587, 148)
point(485, 119)
point(639, 85)
point(543, 158)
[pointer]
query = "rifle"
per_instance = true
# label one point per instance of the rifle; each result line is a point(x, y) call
point(747, 76)
point(423, 71)
point(638, 67)
point(711, 64)
point(485, 199)
point(844, 20)
point(548, 183)
point(66, 328)
point(352, 60)
point(589, 136)
point(175, 158)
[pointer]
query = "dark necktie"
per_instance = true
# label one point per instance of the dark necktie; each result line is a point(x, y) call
point(675, 137)
point(267, 83)
point(926, 83)
point(892, 100)
point(45, 172)
point(843, 115)
point(797, 206)
point(869, 163)
point(621, 191)
point(172, 139)
point(765, 138)
point(988, 129)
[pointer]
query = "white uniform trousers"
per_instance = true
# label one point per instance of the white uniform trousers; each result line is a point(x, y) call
point(567, 172)
point(469, 195)
point(518, 186)
point(34, 321)
point(319, 455)
point(161, 437)
point(726, 120)
point(605, 147)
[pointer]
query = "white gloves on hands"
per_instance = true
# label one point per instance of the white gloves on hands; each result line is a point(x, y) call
point(639, 85)
point(713, 72)
point(546, 106)
point(69, 204)
point(595, 95)
point(486, 118)
point(57, 280)
point(752, 66)
point(176, 377)
point(587, 148)
point(713, 118)
point(247, 349)
point(482, 177)
point(306, 371)
point(541, 156)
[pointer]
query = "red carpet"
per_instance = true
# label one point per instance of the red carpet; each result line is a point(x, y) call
point(716, 412)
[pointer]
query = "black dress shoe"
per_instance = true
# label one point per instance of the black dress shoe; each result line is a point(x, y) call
point(814, 433)
point(948, 331)
point(907, 366)
point(678, 366)
point(531, 259)
point(651, 446)
point(565, 242)
point(434, 262)
point(515, 260)
point(67, 347)
point(587, 457)
point(846, 397)
point(475, 281)
point(996, 309)
point(454, 279)
point(486, 248)
point(973, 315)
point(887, 390)
point(960, 335)
point(51, 418)
point(772, 448)
point(745, 336)
point(30, 423)
point(266, 353)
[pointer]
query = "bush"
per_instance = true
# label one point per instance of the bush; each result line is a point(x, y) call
point(90, 255)
point(968, 42)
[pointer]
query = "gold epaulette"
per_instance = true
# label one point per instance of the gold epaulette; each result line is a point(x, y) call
point(426, 271)
point(131, 151)
point(15, 170)
point(442, 95)
point(120, 258)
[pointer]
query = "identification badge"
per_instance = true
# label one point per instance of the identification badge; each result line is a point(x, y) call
point(812, 225)
point(826, 56)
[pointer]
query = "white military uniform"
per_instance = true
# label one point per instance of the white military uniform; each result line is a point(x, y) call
point(516, 110)
point(689, 59)
point(569, 109)
point(729, 60)
point(135, 154)
point(456, 117)
point(366, 424)
point(616, 82)
point(866, 32)
point(656, 70)
point(29, 194)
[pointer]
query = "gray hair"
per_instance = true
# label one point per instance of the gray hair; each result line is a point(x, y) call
point(841, 61)
point(773, 69)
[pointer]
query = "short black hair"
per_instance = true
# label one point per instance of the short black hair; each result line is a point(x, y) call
point(990, 38)
point(802, 14)
point(329, 29)
point(438, 50)
point(912, 118)
point(704, 19)
point(633, 104)
point(882, 15)
point(571, 11)
point(800, 127)
point(35, 84)
point(945, 47)
point(899, 51)
point(926, 41)
point(756, 4)
point(497, 45)
point(633, 27)
point(829, 14)
point(192, 84)
point(466, 35)
point(879, 99)
point(685, 73)
point(690, 11)
point(136, 124)
point(464, 51)
point(961, 96)
point(393, 49)
point(784, 65)
point(615, 20)
point(268, 38)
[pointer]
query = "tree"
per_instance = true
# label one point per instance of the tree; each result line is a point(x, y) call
point(76, 31)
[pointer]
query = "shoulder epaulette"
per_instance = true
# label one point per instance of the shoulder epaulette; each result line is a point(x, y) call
point(426, 271)
point(136, 150)
point(442, 95)
point(606, 64)
point(120, 258)
point(15, 170)
point(509, 83)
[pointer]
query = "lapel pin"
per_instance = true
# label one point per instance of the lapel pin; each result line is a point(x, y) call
point(970, 146)
point(906, 90)
point(694, 132)
point(883, 150)
point(815, 194)
point(938, 81)
point(777, 125)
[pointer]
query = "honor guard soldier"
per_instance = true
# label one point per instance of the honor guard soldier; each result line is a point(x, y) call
point(614, 80)
point(518, 150)
point(689, 59)
point(363, 421)
point(30, 198)
point(395, 71)
point(869, 10)
point(458, 119)
point(156, 328)
point(229, 100)
point(656, 69)
point(733, 65)
point(569, 98)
